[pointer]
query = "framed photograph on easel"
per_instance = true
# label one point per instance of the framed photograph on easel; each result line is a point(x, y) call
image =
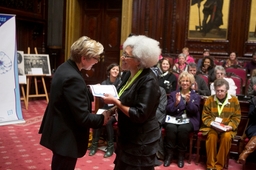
point(20, 60)
point(37, 61)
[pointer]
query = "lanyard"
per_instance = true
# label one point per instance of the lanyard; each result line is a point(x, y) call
point(222, 106)
point(128, 83)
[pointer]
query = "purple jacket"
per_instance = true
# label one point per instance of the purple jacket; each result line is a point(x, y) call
point(192, 108)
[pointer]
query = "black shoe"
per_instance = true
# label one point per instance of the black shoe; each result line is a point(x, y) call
point(181, 159)
point(180, 163)
point(168, 158)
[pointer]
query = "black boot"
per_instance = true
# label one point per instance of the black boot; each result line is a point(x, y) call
point(181, 159)
point(110, 149)
point(94, 146)
point(168, 157)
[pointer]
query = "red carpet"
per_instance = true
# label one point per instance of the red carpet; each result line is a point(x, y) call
point(20, 148)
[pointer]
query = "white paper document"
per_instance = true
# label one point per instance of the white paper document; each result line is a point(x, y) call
point(100, 111)
point(100, 90)
point(219, 125)
point(173, 120)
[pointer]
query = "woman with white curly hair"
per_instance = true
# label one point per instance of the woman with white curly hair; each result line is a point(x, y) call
point(139, 94)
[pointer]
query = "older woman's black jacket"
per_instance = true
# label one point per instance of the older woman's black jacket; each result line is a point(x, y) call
point(138, 134)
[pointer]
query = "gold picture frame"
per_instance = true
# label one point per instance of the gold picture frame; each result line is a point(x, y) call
point(208, 19)
point(252, 26)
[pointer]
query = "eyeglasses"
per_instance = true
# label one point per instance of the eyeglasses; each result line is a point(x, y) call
point(96, 58)
point(100, 58)
point(125, 55)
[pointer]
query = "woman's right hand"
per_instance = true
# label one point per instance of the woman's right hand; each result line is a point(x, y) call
point(178, 97)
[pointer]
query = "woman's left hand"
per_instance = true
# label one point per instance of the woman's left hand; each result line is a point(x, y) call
point(187, 98)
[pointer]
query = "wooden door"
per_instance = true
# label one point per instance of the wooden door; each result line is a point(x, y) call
point(102, 21)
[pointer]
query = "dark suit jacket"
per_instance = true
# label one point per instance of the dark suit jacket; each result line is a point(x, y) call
point(68, 117)
point(139, 134)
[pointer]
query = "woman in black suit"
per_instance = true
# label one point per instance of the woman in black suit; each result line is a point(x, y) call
point(68, 118)
point(138, 128)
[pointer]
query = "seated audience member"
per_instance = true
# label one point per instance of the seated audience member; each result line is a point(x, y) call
point(251, 65)
point(231, 61)
point(250, 132)
point(220, 73)
point(207, 68)
point(113, 73)
point(181, 65)
point(183, 106)
point(251, 91)
point(200, 85)
point(189, 58)
point(206, 53)
point(167, 80)
point(225, 109)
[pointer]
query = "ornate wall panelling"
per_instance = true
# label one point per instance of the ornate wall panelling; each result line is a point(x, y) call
point(102, 21)
point(250, 42)
point(30, 21)
point(156, 19)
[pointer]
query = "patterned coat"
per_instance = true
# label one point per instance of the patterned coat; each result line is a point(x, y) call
point(231, 113)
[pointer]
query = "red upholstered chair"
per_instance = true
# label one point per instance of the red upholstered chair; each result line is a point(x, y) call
point(241, 72)
point(238, 81)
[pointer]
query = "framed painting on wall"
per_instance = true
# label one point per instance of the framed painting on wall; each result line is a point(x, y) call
point(252, 26)
point(37, 61)
point(208, 19)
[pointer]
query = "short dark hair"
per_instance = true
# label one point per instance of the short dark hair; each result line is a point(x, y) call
point(192, 65)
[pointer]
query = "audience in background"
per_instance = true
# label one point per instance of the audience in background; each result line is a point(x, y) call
point(189, 58)
point(183, 106)
point(207, 68)
point(113, 73)
point(251, 65)
point(200, 86)
point(232, 61)
point(181, 65)
point(225, 109)
point(251, 91)
point(206, 53)
point(167, 79)
point(220, 73)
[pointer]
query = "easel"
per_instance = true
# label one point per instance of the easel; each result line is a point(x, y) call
point(23, 97)
point(32, 76)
